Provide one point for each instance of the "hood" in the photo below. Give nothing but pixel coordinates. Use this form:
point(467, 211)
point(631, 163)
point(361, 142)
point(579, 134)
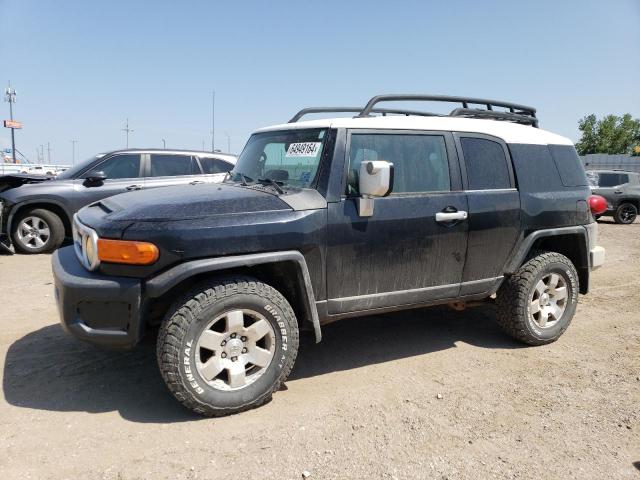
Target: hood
point(15, 180)
point(188, 202)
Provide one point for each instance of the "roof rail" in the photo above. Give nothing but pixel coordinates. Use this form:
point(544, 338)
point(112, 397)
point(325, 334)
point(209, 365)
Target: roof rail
point(517, 113)
point(383, 111)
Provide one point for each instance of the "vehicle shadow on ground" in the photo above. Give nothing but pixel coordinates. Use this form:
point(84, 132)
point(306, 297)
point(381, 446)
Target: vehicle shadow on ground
point(48, 370)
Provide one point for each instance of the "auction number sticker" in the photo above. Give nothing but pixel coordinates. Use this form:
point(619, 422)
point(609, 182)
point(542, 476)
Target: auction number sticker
point(303, 149)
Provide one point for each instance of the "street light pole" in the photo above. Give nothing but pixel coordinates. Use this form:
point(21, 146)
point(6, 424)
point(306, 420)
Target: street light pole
point(164, 144)
point(128, 130)
point(10, 96)
point(213, 120)
point(228, 142)
point(73, 151)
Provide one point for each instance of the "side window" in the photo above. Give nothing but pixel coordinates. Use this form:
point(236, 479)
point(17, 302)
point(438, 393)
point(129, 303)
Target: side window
point(569, 165)
point(420, 161)
point(166, 165)
point(612, 179)
point(214, 165)
point(121, 166)
point(486, 163)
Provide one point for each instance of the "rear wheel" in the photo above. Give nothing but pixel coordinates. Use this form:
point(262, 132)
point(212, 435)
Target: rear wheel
point(537, 303)
point(227, 346)
point(37, 231)
point(626, 213)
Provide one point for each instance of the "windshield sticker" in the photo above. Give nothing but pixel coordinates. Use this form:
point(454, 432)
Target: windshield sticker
point(303, 149)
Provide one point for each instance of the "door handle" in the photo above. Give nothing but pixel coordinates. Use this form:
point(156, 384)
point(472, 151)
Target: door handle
point(618, 191)
point(196, 182)
point(134, 187)
point(450, 216)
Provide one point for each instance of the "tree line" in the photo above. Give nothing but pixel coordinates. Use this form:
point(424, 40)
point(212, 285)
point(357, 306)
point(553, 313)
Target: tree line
point(611, 134)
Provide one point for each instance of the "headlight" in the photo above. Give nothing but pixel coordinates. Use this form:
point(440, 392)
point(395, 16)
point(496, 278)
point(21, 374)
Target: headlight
point(90, 251)
point(85, 242)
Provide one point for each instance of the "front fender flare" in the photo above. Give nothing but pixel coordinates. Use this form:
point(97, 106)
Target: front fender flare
point(160, 284)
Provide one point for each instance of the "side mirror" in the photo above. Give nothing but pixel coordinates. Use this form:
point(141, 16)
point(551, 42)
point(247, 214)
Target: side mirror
point(375, 180)
point(95, 177)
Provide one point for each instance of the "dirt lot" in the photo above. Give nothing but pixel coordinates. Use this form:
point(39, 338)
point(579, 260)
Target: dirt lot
point(364, 403)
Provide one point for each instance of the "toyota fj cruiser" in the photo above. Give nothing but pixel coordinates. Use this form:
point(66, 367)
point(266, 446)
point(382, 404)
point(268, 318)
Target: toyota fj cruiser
point(327, 219)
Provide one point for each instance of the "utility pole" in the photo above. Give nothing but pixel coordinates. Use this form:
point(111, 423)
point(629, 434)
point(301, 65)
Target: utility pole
point(41, 156)
point(128, 130)
point(228, 142)
point(213, 120)
point(10, 96)
point(48, 153)
point(164, 144)
point(73, 151)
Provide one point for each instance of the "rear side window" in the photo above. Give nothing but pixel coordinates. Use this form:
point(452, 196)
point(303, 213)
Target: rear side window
point(569, 165)
point(486, 162)
point(420, 162)
point(612, 179)
point(163, 165)
point(215, 165)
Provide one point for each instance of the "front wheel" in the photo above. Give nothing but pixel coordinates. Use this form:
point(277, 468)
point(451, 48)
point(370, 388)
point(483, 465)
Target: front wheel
point(536, 304)
point(227, 346)
point(625, 214)
point(37, 231)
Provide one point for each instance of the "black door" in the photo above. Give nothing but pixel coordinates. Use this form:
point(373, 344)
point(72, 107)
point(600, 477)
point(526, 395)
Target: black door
point(402, 254)
point(494, 209)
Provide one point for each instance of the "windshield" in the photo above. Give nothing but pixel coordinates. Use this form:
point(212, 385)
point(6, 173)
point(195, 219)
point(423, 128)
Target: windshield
point(71, 172)
point(288, 157)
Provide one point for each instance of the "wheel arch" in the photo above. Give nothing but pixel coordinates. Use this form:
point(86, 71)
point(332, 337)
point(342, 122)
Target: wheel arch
point(286, 271)
point(50, 205)
point(572, 242)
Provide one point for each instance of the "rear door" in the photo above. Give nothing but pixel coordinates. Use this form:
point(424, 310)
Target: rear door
point(405, 253)
point(123, 171)
point(494, 209)
point(165, 169)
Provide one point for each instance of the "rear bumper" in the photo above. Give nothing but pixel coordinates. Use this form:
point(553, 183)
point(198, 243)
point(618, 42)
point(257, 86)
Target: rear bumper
point(96, 308)
point(596, 257)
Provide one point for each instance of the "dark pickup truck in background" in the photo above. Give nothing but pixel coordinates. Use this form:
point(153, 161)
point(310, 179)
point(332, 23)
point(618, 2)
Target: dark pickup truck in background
point(36, 211)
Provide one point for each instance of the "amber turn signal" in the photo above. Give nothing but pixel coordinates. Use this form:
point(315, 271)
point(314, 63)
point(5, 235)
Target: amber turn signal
point(129, 252)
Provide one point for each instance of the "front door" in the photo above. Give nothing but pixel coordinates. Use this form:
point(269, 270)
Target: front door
point(123, 173)
point(406, 252)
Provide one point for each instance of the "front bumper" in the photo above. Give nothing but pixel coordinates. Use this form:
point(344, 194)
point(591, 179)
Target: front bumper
point(96, 308)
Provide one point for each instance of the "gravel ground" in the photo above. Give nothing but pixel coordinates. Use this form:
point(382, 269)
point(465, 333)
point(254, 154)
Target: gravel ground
point(422, 394)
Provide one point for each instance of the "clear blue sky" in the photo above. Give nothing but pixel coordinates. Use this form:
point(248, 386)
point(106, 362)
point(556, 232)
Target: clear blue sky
point(82, 67)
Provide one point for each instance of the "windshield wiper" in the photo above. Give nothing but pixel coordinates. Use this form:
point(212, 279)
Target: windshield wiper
point(244, 180)
point(273, 183)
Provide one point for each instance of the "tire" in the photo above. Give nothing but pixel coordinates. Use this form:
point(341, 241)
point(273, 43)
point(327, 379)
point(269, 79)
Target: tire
point(517, 295)
point(626, 213)
point(37, 231)
point(202, 334)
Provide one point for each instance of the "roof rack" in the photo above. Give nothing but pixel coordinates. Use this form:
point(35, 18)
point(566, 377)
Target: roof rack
point(516, 113)
point(383, 111)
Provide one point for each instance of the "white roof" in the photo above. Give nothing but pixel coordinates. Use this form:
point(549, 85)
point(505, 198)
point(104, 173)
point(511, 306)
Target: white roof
point(507, 131)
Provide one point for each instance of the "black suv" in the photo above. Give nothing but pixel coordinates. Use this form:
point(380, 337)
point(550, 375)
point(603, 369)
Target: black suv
point(621, 190)
point(37, 216)
point(328, 219)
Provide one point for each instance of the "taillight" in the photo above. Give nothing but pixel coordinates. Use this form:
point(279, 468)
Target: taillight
point(597, 204)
